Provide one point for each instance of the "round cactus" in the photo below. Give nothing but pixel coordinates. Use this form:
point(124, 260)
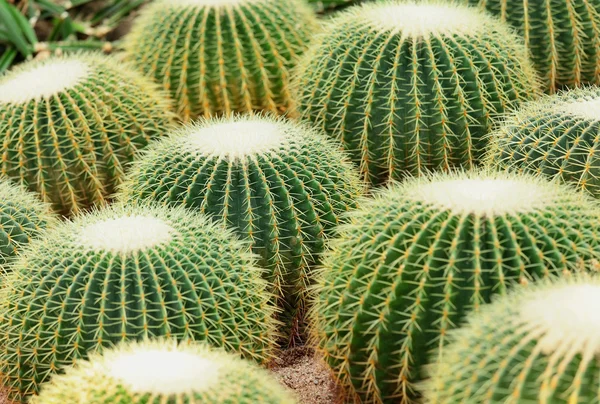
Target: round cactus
point(558, 137)
point(22, 217)
point(540, 344)
point(411, 263)
point(281, 185)
point(128, 273)
point(563, 36)
point(412, 87)
point(161, 371)
point(217, 57)
point(71, 123)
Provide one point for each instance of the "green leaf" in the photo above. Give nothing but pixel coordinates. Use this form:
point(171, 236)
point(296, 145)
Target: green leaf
point(13, 29)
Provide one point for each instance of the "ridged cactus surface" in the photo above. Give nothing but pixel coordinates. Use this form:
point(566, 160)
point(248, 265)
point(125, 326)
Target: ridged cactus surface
point(563, 36)
point(70, 124)
point(129, 273)
point(22, 218)
point(279, 184)
point(558, 137)
point(216, 57)
point(538, 345)
point(414, 261)
point(409, 87)
point(164, 372)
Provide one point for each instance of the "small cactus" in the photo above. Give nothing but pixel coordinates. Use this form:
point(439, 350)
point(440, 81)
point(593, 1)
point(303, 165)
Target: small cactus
point(414, 261)
point(279, 184)
point(70, 124)
point(409, 87)
point(163, 371)
point(22, 217)
point(219, 57)
point(563, 37)
point(129, 273)
point(558, 137)
point(540, 344)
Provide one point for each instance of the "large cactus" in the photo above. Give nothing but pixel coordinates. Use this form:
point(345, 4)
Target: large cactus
point(279, 184)
point(129, 273)
point(563, 36)
point(70, 124)
point(164, 372)
point(22, 218)
point(538, 345)
point(558, 137)
point(413, 262)
point(217, 57)
point(409, 87)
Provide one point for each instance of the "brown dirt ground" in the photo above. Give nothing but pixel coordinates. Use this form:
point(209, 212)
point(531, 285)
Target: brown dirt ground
point(308, 377)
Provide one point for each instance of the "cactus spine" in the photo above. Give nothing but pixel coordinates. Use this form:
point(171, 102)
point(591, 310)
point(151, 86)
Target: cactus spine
point(22, 218)
point(162, 371)
point(411, 263)
point(409, 87)
point(563, 37)
point(281, 185)
point(538, 345)
point(558, 137)
point(129, 273)
point(70, 124)
point(217, 57)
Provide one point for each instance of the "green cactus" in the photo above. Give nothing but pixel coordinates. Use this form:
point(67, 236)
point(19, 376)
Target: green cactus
point(129, 273)
point(409, 87)
point(563, 36)
point(162, 371)
point(411, 263)
point(219, 57)
point(558, 137)
point(279, 184)
point(71, 123)
point(22, 217)
point(540, 344)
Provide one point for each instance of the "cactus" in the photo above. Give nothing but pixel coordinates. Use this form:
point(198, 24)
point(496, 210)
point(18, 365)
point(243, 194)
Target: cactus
point(563, 37)
point(557, 137)
point(540, 344)
point(70, 124)
point(161, 371)
point(221, 58)
point(128, 273)
point(412, 87)
point(279, 184)
point(411, 263)
point(22, 218)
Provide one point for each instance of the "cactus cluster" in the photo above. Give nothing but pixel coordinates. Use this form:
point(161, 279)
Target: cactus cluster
point(540, 344)
point(217, 57)
point(70, 124)
point(412, 86)
point(129, 273)
point(562, 36)
point(158, 371)
point(22, 218)
point(557, 137)
point(414, 261)
point(279, 184)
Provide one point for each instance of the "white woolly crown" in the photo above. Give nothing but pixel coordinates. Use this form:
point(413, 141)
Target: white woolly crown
point(42, 81)
point(165, 372)
point(568, 318)
point(237, 139)
point(588, 109)
point(422, 20)
point(126, 234)
point(483, 196)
